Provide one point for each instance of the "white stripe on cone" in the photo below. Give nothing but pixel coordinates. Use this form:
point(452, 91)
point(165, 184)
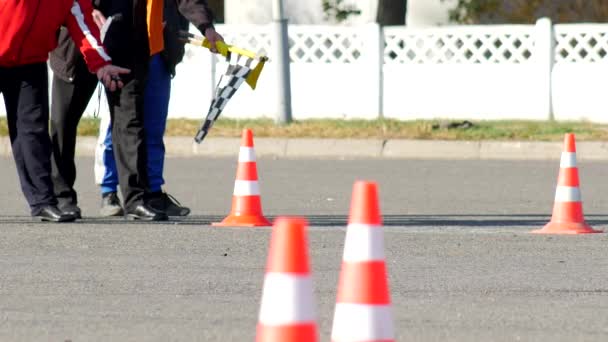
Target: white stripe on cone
point(246, 154)
point(363, 243)
point(567, 194)
point(568, 160)
point(286, 299)
point(359, 322)
point(246, 188)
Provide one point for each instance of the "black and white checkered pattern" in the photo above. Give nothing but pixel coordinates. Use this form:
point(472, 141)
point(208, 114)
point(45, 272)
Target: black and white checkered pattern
point(239, 67)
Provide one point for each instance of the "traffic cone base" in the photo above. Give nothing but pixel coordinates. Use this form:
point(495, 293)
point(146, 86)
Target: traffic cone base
point(295, 332)
point(556, 227)
point(243, 221)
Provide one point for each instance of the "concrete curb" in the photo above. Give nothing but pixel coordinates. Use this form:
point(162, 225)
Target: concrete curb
point(362, 148)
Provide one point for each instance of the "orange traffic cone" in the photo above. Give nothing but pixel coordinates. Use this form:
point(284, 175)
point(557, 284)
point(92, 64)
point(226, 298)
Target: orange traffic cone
point(246, 202)
point(568, 208)
point(363, 309)
point(287, 308)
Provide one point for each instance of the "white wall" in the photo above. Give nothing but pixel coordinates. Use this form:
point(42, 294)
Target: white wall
point(420, 13)
point(472, 72)
point(424, 13)
point(579, 92)
point(434, 76)
point(476, 91)
point(298, 11)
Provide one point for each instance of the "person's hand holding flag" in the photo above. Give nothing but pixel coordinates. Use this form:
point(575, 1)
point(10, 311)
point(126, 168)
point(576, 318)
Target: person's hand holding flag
point(213, 37)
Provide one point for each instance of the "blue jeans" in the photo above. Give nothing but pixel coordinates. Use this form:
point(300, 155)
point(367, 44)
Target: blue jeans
point(156, 110)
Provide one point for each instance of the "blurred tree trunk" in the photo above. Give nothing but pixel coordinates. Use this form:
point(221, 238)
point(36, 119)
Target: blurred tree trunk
point(217, 6)
point(391, 12)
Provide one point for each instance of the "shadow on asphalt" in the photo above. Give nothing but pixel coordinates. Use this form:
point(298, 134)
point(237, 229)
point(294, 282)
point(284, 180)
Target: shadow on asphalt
point(499, 221)
point(532, 220)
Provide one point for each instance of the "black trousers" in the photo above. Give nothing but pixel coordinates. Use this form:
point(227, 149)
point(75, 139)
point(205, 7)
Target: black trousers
point(25, 91)
point(69, 101)
point(128, 138)
point(126, 112)
point(126, 41)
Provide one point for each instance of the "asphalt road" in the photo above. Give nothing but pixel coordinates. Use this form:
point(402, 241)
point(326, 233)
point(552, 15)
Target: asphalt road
point(462, 264)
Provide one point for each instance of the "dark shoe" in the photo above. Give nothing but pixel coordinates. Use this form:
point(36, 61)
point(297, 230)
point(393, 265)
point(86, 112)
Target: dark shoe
point(146, 213)
point(51, 213)
point(70, 208)
point(168, 204)
point(110, 205)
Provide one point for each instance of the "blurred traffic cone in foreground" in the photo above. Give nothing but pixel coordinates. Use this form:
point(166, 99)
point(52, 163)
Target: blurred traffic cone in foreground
point(363, 306)
point(287, 308)
point(568, 208)
point(246, 202)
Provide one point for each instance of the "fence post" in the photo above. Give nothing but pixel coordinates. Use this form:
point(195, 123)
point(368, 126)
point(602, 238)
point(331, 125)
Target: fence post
point(545, 57)
point(213, 63)
point(373, 59)
point(282, 61)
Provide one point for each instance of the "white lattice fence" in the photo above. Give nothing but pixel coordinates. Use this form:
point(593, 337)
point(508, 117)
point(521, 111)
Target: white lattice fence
point(325, 44)
point(483, 72)
point(581, 43)
point(471, 45)
point(256, 38)
point(324, 60)
point(307, 43)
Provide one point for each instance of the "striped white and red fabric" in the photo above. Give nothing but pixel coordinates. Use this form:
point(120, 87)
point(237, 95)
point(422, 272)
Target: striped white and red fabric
point(567, 215)
point(287, 308)
point(363, 307)
point(86, 35)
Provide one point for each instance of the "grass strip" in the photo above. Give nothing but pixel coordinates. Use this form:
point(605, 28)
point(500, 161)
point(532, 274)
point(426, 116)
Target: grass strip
point(379, 129)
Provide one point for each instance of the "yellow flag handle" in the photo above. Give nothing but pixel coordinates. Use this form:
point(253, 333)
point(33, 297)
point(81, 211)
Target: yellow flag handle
point(223, 49)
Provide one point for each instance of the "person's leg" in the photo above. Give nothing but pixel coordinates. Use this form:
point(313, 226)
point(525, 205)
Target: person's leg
point(128, 141)
point(69, 101)
point(156, 110)
point(127, 42)
point(106, 175)
point(25, 91)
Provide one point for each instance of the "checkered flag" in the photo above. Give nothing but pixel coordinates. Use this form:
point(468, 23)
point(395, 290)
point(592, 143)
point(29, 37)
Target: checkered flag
point(239, 68)
point(243, 66)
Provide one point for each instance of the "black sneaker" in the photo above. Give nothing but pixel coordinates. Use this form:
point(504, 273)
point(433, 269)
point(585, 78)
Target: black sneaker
point(110, 205)
point(68, 206)
point(145, 212)
point(168, 204)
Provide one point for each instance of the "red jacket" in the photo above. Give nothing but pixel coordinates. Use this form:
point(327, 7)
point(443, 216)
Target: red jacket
point(28, 31)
